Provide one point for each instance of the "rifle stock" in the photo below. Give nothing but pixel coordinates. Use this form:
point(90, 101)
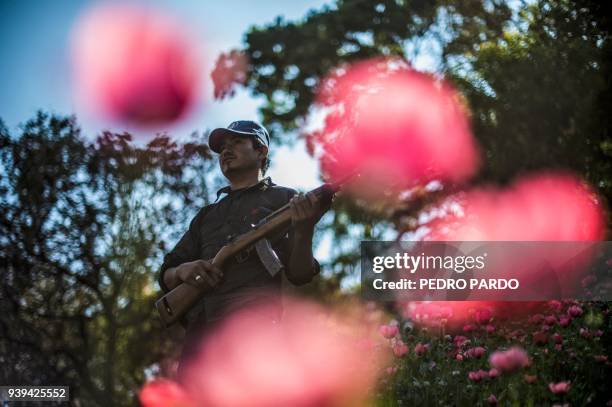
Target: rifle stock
point(175, 304)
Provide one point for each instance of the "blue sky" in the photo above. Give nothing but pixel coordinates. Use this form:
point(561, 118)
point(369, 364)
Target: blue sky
point(35, 68)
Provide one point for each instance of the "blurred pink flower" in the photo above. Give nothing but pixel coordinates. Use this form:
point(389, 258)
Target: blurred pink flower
point(574, 311)
point(483, 316)
point(420, 348)
point(475, 353)
point(523, 212)
point(459, 357)
point(510, 360)
point(490, 328)
point(399, 348)
point(493, 372)
point(536, 319)
point(564, 320)
point(391, 370)
point(531, 378)
point(134, 64)
point(557, 338)
point(460, 340)
point(492, 400)
point(555, 305)
point(550, 320)
point(585, 333)
point(540, 338)
point(249, 362)
point(559, 388)
point(478, 375)
point(469, 328)
point(600, 358)
point(397, 125)
point(388, 331)
point(164, 393)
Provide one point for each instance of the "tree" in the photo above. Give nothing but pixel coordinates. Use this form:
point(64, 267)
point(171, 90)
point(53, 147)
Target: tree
point(536, 76)
point(83, 226)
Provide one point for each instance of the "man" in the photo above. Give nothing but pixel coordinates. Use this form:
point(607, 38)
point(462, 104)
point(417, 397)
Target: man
point(244, 282)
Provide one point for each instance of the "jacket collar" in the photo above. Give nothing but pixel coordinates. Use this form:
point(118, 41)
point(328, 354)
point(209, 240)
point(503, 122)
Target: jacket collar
point(262, 185)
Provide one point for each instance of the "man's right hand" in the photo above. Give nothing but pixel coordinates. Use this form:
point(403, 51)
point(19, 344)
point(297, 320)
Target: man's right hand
point(200, 273)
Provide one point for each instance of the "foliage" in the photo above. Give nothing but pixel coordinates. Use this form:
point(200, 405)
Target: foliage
point(82, 227)
point(536, 76)
point(438, 371)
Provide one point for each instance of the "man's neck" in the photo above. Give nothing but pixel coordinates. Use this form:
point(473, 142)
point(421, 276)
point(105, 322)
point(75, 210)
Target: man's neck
point(244, 180)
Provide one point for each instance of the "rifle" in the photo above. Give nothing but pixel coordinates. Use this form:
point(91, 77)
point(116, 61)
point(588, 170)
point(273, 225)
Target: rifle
point(175, 304)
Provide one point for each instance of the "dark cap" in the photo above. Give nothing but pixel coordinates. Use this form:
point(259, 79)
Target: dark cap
point(240, 128)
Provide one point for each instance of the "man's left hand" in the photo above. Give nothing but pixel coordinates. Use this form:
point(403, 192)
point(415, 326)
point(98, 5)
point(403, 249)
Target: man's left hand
point(306, 210)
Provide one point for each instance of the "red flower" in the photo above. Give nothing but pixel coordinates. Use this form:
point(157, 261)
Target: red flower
point(574, 311)
point(550, 320)
point(494, 372)
point(460, 340)
point(388, 331)
point(559, 388)
point(564, 320)
point(399, 348)
point(509, 360)
point(420, 349)
point(483, 316)
point(557, 338)
point(475, 353)
point(540, 338)
point(478, 375)
point(164, 393)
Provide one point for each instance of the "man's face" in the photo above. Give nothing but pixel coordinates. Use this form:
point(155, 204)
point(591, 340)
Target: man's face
point(238, 154)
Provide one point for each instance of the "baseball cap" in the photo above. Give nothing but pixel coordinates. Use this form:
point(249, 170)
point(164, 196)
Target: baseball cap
point(241, 128)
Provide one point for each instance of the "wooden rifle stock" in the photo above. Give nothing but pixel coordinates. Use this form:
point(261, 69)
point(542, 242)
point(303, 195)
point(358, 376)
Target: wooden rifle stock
point(175, 304)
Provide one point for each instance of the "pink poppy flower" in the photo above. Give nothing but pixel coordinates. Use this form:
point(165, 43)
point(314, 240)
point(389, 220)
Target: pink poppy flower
point(483, 316)
point(550, 320)
point(420, 348)
point(468, 328)
point(398, 126)
point(399, 349)
point(459, 340)
point(510, 360)
point(494, 372)
point(555, 305)
point(540, 338)
point(388, 331)
point(478, 375)
point(247, 362)
point(391, 370)
point(475, 353)
point(574, 311)
point(492, 400)
point(564, 320)
point(135, 64)
point(164, 393)
point(559, 388)
point(490, 328)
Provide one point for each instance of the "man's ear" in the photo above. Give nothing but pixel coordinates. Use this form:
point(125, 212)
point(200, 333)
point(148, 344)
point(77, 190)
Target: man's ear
point(263, 151)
